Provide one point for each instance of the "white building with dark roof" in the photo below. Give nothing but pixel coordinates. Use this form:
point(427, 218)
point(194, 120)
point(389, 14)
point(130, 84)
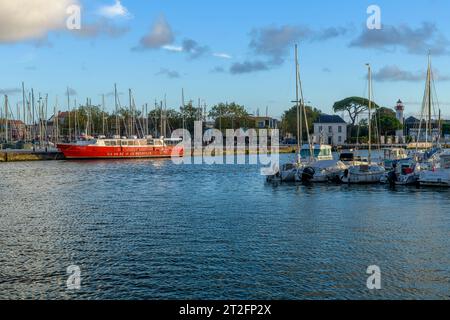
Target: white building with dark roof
point(330, 129)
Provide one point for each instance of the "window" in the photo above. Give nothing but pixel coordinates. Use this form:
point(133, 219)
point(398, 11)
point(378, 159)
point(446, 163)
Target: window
point(110, 143)
point(320, 129)
point(340, 129)
point(340, 139)
point(330, 129)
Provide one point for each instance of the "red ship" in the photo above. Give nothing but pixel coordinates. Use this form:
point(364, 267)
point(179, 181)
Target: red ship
point(122, 149)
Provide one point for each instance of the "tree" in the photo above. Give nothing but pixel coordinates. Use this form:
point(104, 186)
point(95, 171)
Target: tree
point(81, 117)
point(190, 114)
point(230, 116)
point(359, 133)
point(354, 106)
point(386, 121)
point(289, 120)
point(173, 118)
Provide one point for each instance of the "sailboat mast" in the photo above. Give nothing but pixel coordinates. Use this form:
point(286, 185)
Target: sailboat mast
point(183, 113)
point(429, 106)
point(69, 114)
point(103, 115)
point(24, 107)
point(130, 116)
point(33, 115)
point(55, 120)
point(370, 112)
point(440, 128)
point(117, 111)
point(6, 120)
point(299, 115)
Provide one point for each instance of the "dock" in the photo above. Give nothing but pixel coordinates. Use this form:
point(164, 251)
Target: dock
point(29, 155)
point(376, 146)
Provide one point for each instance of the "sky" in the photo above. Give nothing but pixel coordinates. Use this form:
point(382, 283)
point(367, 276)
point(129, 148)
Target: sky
point(225, 51)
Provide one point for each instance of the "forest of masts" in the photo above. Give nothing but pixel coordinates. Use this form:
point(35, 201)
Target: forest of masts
point(35, 120)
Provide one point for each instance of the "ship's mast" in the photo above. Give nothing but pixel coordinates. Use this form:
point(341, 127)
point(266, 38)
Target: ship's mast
point(68, 110)
point(33, 115)
point(6, 120)
point(103, 114)
point(299, 114)
point(24, 111)
point(429, 105)
point(370, 112)
point(117, 111)
point(130, 116)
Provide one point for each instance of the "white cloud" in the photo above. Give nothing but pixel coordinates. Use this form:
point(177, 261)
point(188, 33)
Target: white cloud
point(222, 55)
point(173, 48)
point(115, 10)
point(22, 20)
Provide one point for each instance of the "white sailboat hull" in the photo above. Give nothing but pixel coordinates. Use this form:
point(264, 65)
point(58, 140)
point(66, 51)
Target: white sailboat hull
point(363, 174)
point(438, 178)
point(324, 171)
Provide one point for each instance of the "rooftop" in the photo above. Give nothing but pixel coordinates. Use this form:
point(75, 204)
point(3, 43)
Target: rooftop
point(325, 118)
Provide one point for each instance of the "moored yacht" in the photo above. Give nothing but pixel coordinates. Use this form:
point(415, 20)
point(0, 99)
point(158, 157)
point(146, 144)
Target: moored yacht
point(438, 176)
point(318, 152)
point(363, 174)
point(404, 172)
point(319, 165)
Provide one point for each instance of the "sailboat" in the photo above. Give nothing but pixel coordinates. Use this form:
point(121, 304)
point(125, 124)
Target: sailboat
point(314, 161)
point(409, 171)
point(436, 163)
point(289, 172)
point(370, 172)
point(440, 175)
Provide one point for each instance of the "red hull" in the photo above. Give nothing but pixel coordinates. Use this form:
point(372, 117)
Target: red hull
point(72, 151)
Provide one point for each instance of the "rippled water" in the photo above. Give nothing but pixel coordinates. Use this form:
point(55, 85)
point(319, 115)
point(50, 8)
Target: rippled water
point(154, 230)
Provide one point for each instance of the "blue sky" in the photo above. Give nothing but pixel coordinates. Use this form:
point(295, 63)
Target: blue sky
point(230, 51)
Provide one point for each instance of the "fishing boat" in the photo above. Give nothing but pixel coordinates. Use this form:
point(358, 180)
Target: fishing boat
point(438, 176)
point(120, 148)
point(365, 173)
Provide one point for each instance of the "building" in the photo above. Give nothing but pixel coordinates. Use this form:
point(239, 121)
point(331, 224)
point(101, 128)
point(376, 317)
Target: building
point(417, 129)
point(330, 129)
point(265, 122)
point(16, 130)
point(63, 117)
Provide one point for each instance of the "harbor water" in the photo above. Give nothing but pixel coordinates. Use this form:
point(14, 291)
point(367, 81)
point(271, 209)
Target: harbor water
point(146, 229)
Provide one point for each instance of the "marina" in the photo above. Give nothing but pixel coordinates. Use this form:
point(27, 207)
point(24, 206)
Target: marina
point(213, 159)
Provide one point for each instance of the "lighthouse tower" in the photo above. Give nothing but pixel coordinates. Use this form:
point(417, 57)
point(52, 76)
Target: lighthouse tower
point(400, 109)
